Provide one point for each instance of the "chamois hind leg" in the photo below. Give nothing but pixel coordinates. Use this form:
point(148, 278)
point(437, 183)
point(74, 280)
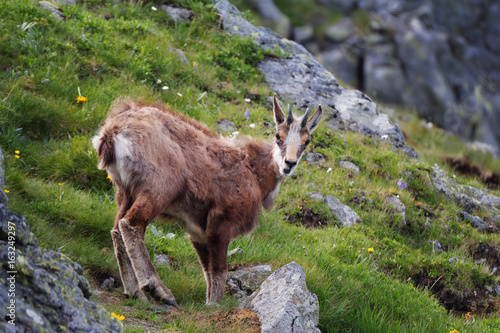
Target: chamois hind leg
point(130, 284)
point(132, 228)
point(203, 256)
point(217, 249)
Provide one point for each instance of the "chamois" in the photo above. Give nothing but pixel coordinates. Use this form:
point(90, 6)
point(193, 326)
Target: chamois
point(165, 164)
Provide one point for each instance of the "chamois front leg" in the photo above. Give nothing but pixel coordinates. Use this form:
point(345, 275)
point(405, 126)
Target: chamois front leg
point(132, 228)
point(217, 271)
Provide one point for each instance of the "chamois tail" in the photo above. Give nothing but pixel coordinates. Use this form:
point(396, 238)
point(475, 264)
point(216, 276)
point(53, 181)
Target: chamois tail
point(105, 146)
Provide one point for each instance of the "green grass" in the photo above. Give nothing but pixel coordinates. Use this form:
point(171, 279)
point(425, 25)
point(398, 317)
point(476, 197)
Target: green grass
point(107, 51)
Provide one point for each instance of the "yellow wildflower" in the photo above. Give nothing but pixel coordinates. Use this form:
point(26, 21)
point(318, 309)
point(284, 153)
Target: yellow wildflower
point(16, 156)
point(6, 191)
point(370, 249)
point(17, 152)
point(120, 317)
point(454, 331)
point(60, 184)
point(108, 177)
point(81, 99)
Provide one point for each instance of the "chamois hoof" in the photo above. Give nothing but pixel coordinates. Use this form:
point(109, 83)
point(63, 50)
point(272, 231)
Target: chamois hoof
point(169, 302)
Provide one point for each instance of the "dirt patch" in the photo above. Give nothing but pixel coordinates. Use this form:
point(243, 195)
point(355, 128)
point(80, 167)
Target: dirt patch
point(457, 299)
point(487, 253)
point(463, 165)
point(307, 218)
point(99, 275)
point(209, 320)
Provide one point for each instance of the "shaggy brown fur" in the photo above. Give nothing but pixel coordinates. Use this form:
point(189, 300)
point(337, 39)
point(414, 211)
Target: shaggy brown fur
point(164, 163)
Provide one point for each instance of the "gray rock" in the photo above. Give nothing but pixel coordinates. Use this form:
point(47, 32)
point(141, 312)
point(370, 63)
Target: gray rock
point(284, 304)
point(303, 34)
point(180, 55)
point(316, 196)
point(344, 213)
point(235, 251)
point(178, 14)
point(475, 221)
point(53, 9)
point(303, 81)
point(497, 289)
point(225, 125)
point(398, 207)
point(488, 288)
point(349, 166)
point(315, 158)
point(340, 31)
point(243, 282)
point(342, 62)
point(342, 5)
point(50, 290)
point(273, 16)
point(468, 197)
point(108, 284)
point(67, 2)
point(161, 259)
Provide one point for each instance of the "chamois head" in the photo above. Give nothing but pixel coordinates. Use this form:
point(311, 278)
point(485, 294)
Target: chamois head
point(292, 136)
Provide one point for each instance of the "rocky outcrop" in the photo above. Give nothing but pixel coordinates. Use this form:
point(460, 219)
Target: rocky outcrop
point(303, 81)
point(468, 197)
point(441, 59)
point(42, 290)
point(284, 304)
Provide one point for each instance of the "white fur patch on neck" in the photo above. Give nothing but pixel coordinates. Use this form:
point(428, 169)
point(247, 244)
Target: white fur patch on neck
point(280, 160)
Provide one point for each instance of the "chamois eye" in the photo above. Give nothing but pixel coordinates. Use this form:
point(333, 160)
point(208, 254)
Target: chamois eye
point(278, 137)
point(308, 141)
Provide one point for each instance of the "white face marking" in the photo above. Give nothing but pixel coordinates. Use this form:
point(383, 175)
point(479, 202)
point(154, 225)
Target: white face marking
point(292, 145)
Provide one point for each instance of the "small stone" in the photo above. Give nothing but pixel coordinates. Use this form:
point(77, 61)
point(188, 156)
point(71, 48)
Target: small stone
point(108, 284)
point(161, 259)
point(344, 213)
point(475, 221)
point(315, 158)
point(349, 166)
point(45, 81)
point(398, 207)
point(178, 14)
point(53, 9)
point(497, 289)
point(316, 196)
point(488, 288)
point(225, 125)
point(235, 251)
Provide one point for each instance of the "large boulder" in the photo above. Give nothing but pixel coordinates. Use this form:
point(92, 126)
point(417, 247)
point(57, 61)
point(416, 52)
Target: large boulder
point(43, 290)
point(303, 81)
point(284, 304)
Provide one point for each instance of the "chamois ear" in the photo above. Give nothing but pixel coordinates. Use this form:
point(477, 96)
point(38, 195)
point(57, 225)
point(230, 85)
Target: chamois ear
point(279, 116)
point(313, 122)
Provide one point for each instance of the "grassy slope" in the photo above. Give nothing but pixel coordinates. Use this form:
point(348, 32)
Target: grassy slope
point(128, 50)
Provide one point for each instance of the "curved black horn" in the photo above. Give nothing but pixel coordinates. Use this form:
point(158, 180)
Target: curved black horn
point(289, 118)
point(304, 118)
